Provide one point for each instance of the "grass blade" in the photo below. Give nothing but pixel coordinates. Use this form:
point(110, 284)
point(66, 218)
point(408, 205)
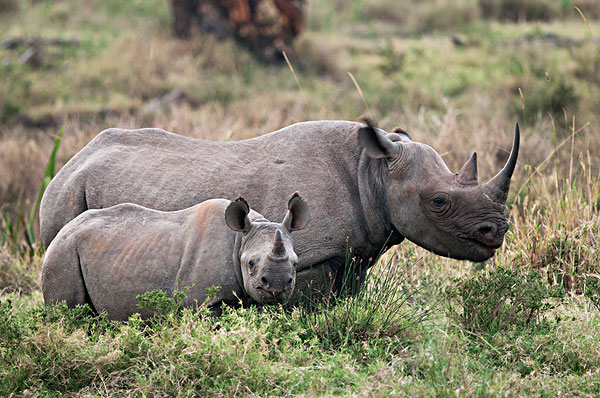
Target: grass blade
point(48, 175)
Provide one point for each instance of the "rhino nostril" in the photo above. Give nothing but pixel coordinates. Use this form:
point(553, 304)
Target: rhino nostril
point(265, 280)
point(487, 231)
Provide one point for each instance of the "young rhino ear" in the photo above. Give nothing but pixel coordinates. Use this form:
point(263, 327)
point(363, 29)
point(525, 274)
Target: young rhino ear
point(298, 214)
point(236, 215)
point(376, 143)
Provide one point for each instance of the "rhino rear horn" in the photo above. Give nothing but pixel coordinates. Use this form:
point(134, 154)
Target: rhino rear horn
point(298, 214)
point(468, 174)
point(498, 186)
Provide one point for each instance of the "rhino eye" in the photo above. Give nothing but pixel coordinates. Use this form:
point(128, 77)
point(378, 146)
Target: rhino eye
point(439, 201)
point(250, 264)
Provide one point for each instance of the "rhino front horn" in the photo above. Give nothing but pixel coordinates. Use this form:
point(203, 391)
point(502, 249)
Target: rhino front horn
point(498, 186)
point(278, 249)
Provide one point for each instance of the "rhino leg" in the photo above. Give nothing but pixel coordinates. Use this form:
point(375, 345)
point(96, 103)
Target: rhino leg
point(62, 279)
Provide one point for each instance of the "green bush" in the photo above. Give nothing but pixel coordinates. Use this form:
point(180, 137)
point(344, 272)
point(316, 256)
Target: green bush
point(520, 10)
point(498, 299)
point(543, 98)
point(8, 5)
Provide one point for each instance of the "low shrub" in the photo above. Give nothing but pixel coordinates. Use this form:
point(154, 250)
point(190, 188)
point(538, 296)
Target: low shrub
point(520, 10)
point(500, 298)
point(8, 6)
point(542, 98)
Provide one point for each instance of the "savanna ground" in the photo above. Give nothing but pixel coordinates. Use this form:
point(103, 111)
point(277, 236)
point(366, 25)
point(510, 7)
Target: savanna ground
point(456, 75)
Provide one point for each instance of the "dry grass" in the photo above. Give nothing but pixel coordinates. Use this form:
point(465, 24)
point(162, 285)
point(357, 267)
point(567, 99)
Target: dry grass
point(456, 88)
point(17, 274)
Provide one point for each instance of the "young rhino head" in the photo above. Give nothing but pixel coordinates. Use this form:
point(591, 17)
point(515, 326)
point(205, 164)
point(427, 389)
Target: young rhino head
point(267, 258)
point(449, 214)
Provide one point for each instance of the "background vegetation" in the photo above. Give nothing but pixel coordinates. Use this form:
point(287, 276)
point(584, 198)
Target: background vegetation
point(456, 75)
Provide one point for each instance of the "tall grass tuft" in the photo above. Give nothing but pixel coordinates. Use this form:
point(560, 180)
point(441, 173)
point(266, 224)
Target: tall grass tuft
point(381, 307)
point(555, 229)
point(25, 220)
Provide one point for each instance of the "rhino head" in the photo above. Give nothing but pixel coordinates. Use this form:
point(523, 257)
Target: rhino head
point(267, 258)
point(449, 214)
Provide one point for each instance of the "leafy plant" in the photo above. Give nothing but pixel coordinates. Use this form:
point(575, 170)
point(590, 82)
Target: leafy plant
point(160, 303)
point(500, 298)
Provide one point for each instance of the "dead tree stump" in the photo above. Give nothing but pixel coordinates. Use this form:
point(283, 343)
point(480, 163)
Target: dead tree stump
point(267, 27)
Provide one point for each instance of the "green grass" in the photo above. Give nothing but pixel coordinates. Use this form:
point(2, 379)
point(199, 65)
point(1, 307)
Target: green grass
point(522, 324)
point(276, 352)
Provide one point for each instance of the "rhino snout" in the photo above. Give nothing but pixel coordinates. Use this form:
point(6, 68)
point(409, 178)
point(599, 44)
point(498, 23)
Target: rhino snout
point(275, 287)
point(276, 284)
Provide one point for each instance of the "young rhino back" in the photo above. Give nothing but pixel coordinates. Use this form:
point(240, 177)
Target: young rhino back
point(126, 250)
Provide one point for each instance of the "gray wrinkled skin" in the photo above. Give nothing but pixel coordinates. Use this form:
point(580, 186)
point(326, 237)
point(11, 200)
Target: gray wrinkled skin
point(109, 256)
point(367, 188)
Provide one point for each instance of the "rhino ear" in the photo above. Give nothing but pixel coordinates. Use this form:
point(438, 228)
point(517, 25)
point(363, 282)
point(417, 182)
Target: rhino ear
point(402, 133)
point(377, 144)
point(298, 214)
point(236, 215)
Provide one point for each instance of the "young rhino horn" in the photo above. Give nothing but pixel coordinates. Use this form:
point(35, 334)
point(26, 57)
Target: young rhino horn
point(468, 174)
point(278, 249)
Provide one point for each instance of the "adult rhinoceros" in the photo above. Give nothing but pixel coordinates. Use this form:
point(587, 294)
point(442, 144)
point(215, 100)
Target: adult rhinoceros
point(366, 188)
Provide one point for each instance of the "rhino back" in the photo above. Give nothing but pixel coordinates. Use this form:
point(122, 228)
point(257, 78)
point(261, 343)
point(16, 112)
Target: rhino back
point(166, 171)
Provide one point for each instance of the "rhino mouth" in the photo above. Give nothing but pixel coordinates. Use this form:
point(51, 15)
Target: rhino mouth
point(269, 298)
point(487, 249)
point(277, 300)
point(493, 246)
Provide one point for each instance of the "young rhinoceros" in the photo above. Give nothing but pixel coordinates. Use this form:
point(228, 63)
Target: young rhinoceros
point(107, 257)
